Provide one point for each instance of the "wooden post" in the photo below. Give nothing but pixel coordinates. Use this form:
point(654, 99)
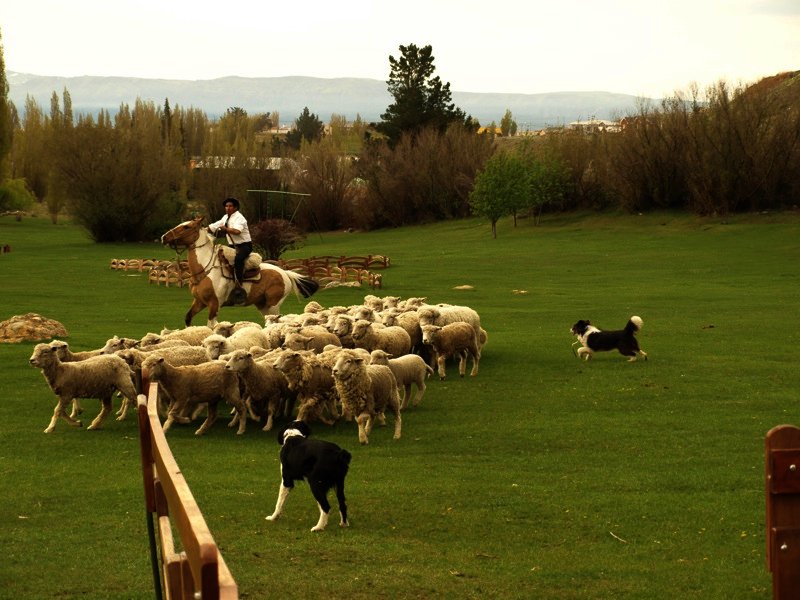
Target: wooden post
point(782, 462)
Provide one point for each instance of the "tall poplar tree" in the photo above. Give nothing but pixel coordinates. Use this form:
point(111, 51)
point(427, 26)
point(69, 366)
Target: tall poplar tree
point(6, 122)
point(420, 99)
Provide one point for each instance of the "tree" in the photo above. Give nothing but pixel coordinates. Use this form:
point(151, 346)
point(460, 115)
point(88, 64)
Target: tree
point(508, 126)
point(15, 195)
point(501, 187)
point(6, 121)
point(275, 236)
point(307, 127)
point(420, 99)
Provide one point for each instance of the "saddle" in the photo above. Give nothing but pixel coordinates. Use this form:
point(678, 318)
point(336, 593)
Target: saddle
point(252, 266)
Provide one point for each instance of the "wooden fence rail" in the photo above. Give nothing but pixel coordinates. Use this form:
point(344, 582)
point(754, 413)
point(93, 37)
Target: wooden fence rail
point(199, 569)
point(782, 465)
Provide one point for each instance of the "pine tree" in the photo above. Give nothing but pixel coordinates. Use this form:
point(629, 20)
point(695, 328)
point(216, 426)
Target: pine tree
point(6, 121)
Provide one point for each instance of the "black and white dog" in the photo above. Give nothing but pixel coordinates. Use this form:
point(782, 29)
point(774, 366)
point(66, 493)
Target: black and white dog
point(323, 464)
point(594, 340)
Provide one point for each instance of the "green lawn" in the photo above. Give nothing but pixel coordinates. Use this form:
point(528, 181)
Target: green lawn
point(543, 477)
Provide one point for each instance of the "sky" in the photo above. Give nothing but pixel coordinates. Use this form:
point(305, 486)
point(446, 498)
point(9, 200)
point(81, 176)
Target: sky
point(642, 47)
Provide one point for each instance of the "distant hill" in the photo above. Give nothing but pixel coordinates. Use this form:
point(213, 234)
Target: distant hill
point(289, 95)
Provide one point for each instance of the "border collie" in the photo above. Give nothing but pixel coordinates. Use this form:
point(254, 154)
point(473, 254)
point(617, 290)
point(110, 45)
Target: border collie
point(323, 464)
point(594, 340)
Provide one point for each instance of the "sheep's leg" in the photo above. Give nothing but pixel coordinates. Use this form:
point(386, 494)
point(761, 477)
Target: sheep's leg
point(420, 391)
point(462, 362)
point(60, 411)
point(212, 416)
point(270, 410)
point(76, 408)
point(106, 408)
point(476, 357)
point(406, 396)
point(440, 360)
point(364, 427)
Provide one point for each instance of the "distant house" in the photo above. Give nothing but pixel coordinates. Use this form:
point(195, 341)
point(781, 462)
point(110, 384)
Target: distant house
point(233, 162)
point(595, 126)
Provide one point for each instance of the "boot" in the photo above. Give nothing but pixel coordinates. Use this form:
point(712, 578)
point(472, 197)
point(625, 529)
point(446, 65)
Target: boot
point(238, 296)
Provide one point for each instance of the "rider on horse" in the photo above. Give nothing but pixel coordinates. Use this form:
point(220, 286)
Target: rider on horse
point(236, 231)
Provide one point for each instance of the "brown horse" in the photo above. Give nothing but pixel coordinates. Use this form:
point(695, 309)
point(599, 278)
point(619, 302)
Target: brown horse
point(211, 281)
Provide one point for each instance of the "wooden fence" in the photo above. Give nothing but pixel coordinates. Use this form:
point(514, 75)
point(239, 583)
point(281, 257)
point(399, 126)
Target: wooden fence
point(199, 569)
point(325, 269)
point(782, 466)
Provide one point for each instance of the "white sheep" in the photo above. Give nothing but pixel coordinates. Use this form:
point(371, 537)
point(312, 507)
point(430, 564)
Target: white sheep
point(343, 329)
point(366, 392)
point(226, 328)
point(371, 336)
point(408, 370)
point(456, 339)
point(154, 340)
point(442, 315)
point(95, 377)
point(244, 339)
point(311, 379)
point(119, 343)
point(194, 334)
point(265, 386)
point(408, 320)
point(313, 337)
point(192, 385)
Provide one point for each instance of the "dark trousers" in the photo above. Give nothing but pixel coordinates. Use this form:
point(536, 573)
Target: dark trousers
point(242, 252)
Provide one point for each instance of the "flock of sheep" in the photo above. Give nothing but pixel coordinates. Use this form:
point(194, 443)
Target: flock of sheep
point(325, 364)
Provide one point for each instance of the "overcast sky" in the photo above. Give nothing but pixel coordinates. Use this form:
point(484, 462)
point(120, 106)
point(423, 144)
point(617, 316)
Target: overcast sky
point(640, 47)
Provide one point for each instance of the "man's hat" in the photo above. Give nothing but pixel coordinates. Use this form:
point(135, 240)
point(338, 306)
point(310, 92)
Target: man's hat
point(233, 201)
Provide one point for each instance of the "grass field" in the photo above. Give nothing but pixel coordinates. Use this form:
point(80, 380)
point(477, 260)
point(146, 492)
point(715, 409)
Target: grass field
point(542, 477)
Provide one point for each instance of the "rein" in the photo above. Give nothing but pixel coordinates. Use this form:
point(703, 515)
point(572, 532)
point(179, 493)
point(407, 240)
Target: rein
point(200, 275)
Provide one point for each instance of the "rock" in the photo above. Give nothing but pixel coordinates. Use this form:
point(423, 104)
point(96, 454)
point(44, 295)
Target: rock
point(30, 328)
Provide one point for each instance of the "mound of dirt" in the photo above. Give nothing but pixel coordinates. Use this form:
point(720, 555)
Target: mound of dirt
point(30, 328)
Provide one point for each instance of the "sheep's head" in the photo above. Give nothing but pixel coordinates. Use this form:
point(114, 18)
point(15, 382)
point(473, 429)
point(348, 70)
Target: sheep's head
point(429, 333)
point(215, 346)
point(239, 360)
point(343, 325)
point(347, 366)
point(60, 348)
point(289, 361)
point(379, 357)
point(153, 366)
point(360, 329)
point(42, 355)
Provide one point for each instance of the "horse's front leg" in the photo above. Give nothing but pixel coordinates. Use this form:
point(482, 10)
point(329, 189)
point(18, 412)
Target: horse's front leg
point(195, 308)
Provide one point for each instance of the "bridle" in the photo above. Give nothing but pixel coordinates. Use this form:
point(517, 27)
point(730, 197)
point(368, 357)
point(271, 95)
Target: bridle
point(180, 248)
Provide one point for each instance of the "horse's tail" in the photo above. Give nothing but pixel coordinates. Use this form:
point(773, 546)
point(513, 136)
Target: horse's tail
point(302, 285)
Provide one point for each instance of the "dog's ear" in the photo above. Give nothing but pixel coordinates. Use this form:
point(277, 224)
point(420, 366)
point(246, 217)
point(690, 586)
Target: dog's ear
point(303, 428)
point(281, 431)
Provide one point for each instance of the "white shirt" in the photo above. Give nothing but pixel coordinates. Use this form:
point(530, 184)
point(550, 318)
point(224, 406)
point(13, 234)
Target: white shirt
point(237, 221)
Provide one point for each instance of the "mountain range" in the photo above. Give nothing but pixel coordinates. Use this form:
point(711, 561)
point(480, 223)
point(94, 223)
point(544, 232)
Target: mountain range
point(288, 96)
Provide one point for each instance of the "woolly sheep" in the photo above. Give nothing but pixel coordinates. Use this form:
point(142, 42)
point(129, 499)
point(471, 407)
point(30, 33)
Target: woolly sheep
point(311, 379)
point(366, 392)
point(153, 340)
point(343, 329)
point(456, 339)
point(266, 386)
point(226, 328)
point(394, 340)
point(244, 339)
point(194, 334)
point(445, 314)
point(311, 338)
point(407, 370)
point(96, 377)
point(192, 385)
point(408, 320)
point(119, 343)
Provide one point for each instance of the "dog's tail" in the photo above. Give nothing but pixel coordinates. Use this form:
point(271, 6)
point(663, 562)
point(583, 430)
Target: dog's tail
point(344, 458)
point(634, 324)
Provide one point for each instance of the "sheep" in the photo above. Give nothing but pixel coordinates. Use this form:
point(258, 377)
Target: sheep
point(407, 370)
point(67, 355)
point(194, 335)
point(154, 340)
point(408, 320)
point(191, 385)
point(444, 314)
point(373, 302)
point(244, 339)
point(456, 339)
point(366, 392)
point(311, 338)
point(119, 343)
point(265, 385)
point(94, 377)
point(226, 328)
point(343, 328)
point(393, 340)
point(311, 379)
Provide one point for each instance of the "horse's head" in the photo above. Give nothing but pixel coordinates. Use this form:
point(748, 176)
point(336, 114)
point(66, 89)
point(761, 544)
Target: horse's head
point(183, 235)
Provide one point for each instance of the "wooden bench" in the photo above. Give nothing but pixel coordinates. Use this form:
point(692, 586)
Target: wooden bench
point(199, 569)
